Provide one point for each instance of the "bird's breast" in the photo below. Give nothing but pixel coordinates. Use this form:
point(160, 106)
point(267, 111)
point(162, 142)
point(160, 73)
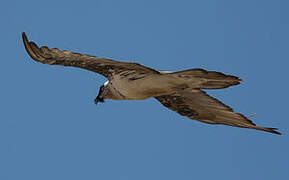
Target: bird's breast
point(133, 88)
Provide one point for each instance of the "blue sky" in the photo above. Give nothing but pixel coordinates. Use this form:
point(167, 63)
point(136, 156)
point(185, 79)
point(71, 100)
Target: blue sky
point(50, 128)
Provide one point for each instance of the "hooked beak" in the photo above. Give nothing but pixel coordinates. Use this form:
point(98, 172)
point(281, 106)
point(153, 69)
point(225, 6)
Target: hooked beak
point(100, 95)
point(98, 99)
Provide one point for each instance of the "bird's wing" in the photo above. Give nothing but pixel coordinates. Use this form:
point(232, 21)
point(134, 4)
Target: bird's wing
point(196, 104)
point(103, 66)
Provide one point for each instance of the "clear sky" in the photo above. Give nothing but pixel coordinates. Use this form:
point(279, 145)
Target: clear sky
point(51, 129)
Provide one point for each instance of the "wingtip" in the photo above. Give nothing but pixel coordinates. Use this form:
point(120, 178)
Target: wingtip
point(274, 130)
point(26, 44)
point(29, 46)
point(271, 130)
point(24, 38)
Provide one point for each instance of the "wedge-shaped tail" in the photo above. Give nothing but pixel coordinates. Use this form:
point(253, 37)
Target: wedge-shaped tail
point(210, 79)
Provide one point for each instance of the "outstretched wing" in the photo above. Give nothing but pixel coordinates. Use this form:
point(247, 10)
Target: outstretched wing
point(196, 104)
point(103, 66)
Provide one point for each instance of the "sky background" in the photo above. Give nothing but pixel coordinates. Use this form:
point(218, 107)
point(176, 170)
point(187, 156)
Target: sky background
point(51, 129)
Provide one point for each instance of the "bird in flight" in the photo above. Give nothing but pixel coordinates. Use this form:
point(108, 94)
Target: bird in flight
point(179, 91)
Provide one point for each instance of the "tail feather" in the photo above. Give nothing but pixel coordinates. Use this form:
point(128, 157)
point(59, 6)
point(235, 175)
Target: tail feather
point(212, 79)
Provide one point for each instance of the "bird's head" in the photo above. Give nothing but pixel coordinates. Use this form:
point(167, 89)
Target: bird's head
point(102, 93)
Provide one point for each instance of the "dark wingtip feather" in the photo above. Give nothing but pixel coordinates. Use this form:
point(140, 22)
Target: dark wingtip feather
point(24, 37)
point(273, 130)
point(28, 47)
point(270, 130)
point(32, 49)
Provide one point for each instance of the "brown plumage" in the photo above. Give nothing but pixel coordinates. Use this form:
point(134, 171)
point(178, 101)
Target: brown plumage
point(178, 91)
point(196, 104)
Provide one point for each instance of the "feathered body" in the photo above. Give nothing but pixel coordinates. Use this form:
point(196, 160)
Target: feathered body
point(179, 91)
